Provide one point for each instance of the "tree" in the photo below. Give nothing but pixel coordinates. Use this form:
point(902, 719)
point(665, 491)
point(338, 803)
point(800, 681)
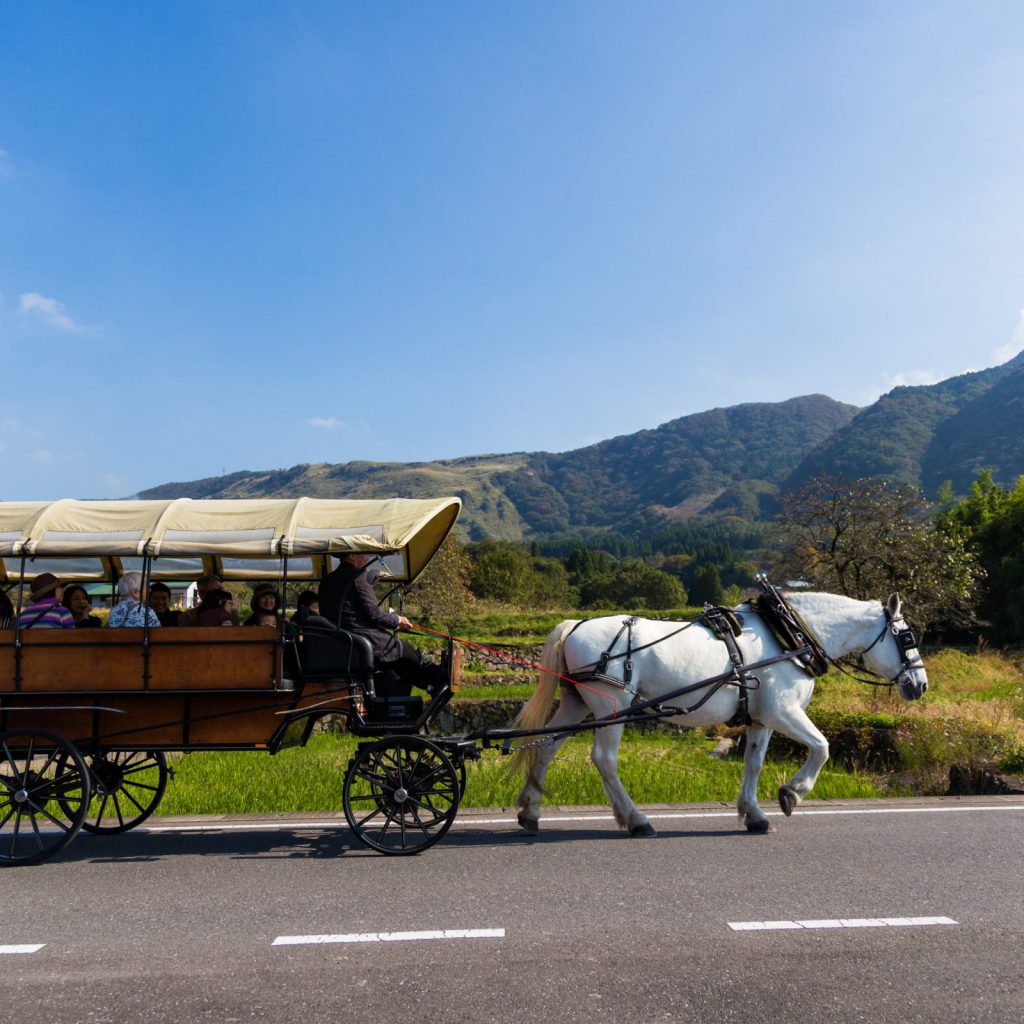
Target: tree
point(991, 520)
point(507, 572)
point(633, 585)
point(442, 591)
point(867, 538)
point(707, 586)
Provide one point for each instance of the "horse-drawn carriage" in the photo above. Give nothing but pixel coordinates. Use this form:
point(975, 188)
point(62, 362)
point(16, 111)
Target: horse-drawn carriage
point(87, 717)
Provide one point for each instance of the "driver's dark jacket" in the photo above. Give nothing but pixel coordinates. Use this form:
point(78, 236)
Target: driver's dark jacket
point(347, 599)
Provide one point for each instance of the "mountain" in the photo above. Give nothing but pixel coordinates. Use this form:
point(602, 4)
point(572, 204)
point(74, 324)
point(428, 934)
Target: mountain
point(928, 434)
point(725, 464)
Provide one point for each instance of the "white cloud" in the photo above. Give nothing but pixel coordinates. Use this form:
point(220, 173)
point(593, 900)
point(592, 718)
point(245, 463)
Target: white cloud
point(912, 378)
point(328, 423)
point(116, 485)
point(44, 455)
point(50, 311)
point(1006, 352)
point(908, 378)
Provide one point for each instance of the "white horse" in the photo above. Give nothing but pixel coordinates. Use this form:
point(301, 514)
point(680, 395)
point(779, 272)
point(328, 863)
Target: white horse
point(841, 625)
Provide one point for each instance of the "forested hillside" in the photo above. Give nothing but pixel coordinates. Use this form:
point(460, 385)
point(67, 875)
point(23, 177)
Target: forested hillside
point(926, 435)
point(723, 466)
point(726, 461)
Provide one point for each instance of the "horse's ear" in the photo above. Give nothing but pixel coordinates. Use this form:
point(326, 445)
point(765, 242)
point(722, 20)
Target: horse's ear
point(893, 605)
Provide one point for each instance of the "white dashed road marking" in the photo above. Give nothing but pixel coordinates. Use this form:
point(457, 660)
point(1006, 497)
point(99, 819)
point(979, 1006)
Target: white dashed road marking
point(842, 922)
point(447, 933)
point(27, 947)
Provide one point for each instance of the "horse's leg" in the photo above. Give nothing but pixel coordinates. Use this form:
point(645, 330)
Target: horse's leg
point(797, 726)
point(571, 711)
point(605, 755)
point(749, 809)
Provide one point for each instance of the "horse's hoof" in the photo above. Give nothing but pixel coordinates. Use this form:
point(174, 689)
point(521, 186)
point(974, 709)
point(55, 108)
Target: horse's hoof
point(787, 799)
point(644, 831)
point(532, 825)
point(761, 827)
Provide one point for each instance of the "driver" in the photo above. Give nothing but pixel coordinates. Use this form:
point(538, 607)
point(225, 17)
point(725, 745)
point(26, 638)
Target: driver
point(347, 600)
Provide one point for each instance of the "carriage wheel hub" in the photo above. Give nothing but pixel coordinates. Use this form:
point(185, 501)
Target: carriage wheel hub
point(400, 795)
point(21, 796)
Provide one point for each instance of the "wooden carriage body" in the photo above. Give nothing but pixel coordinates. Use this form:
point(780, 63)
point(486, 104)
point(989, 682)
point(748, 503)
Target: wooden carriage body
point(178, 689)
point(192, 688)
point(87, 715)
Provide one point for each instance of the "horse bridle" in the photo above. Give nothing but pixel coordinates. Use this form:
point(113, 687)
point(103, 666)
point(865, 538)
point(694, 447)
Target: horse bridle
point(906, 640)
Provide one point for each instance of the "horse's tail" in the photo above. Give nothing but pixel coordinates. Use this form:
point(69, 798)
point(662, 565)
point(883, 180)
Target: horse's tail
point(536, 710)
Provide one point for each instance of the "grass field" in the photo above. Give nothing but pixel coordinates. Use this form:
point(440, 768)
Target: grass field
point(655, 769)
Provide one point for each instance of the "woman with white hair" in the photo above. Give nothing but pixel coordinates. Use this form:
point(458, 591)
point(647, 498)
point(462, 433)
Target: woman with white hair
point(129, 610)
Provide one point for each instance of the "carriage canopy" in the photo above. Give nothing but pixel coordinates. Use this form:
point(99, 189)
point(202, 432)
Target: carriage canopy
point(240, 539)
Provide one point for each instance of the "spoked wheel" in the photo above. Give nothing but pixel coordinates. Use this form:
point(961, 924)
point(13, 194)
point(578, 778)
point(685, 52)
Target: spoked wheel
point(401, 794)
point(44, 794)
point(127, 786)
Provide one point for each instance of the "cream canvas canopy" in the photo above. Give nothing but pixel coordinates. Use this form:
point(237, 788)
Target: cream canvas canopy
point(185, 537)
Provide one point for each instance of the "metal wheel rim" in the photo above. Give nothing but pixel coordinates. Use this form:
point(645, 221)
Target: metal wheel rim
point(119, 800)
point(401, 795)
point(44, 793)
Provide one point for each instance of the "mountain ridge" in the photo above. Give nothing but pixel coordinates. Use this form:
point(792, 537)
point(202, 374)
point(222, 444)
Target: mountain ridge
point(727, 463)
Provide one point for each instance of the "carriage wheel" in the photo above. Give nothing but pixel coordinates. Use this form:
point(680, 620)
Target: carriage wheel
point(44, 794)
point(127, 787)
point(401, 794)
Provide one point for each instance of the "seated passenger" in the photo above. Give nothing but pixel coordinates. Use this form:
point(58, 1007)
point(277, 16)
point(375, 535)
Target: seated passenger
point(216, 609)
point(265, 605)
point(46, 611)
point(204, 585)
point(76, 600)
point(347, 599)
point(129, 610)
point(6, 611)
point(308, 604)
point(160, 602)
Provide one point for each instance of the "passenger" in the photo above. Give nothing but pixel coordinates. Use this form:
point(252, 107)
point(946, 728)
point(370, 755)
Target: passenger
point(6, 611)
point(308, 604)
point(46, 611)
point(160, 602)
point(347, 600)
point(204, 585)
point(217, 609)
point(76, 600)
point(265, 605)
point(129, 610)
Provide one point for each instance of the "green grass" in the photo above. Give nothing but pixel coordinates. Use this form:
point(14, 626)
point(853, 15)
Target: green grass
point(519, 692)
point(489, 622)
point(654, 769)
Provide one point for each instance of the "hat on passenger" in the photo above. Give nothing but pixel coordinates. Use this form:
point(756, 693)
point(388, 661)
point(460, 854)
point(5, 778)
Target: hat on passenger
point(45, 583)
point(260, 590)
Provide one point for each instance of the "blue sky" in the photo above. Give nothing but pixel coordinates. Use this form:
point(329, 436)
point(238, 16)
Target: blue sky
point(249, 235)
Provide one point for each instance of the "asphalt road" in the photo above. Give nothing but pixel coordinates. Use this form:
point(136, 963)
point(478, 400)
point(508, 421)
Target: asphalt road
point(178, 923)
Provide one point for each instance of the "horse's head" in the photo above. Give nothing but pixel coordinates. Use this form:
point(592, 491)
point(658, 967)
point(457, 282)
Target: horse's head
point(893, 654)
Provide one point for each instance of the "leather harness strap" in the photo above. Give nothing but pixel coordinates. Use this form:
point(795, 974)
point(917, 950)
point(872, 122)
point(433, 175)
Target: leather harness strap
point(727, 625)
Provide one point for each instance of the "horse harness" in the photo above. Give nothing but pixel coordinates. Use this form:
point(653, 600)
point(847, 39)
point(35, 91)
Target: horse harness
point(793, 635)
point(726, 625)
